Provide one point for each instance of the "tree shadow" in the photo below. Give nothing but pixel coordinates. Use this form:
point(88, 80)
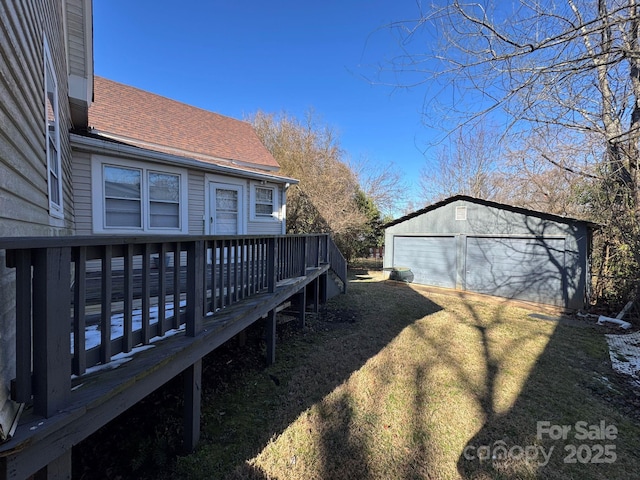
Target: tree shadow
point(571, 381)
point(350, 339)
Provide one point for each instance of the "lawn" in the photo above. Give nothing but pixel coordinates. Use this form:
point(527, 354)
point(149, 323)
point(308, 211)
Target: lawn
point(392, 381)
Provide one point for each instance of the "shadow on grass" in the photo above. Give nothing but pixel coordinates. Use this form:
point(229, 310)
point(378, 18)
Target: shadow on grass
point(570, 381)
point(310, 367)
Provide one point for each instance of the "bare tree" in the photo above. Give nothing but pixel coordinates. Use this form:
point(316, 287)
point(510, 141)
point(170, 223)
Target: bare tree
point(467, 164)
point(564, 71)
point(324, 200)
point(383, 185)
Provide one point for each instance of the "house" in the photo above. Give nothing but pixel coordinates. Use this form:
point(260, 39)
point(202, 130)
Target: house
point(97, 180)
point(147, 164)
point(476, 245)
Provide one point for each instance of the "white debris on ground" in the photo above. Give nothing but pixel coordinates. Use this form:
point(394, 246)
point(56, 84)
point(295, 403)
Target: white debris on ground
point(624, 351)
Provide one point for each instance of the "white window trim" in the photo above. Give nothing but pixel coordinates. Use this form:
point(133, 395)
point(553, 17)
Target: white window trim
point(222, 181)
point(55, 209)
point(276, 215)
point(98, 196)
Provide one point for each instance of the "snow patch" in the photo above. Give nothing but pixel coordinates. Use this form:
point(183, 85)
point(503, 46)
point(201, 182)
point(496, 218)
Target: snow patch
point(624, 351)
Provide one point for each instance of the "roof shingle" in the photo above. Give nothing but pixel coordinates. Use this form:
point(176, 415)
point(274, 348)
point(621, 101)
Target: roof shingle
point(158, 123)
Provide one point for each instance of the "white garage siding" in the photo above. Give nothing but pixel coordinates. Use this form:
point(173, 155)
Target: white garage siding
point(431, 259)
point(530, 269)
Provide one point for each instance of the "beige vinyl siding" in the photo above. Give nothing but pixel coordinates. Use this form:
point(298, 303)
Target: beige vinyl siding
point(264, 228)
point(196, 202)
point(24, 205)
point(23, 183)
point(76, 34)
point(82, 193)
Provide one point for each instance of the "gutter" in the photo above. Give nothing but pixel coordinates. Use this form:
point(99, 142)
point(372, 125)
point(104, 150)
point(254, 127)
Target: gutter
point(105, 147)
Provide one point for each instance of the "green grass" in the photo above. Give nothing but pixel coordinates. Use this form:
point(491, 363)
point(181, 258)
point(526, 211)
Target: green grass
point(395, 382)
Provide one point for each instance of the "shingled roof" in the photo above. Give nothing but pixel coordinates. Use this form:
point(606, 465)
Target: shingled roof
point(150, 121)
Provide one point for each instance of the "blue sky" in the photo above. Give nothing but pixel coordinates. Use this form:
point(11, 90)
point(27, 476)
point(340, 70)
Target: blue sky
point(236, 58)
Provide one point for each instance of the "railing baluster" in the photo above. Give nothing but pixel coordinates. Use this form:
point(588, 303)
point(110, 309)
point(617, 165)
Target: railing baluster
point(303, 255)
point(260, 265)
point(146, 293)
point(162, 288)
point(127, 325)
point(23, 325)
point(229, 264)
point(176, 285)
point(243, 266)
point(105, 299)
point(236, 267)
point(252, 271)
point(214, 276)
point(79, 311)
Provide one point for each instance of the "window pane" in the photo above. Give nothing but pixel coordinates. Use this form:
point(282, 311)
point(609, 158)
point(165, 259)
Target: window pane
point(226, 200)
point(163, 186)
point(264, 195)
point(164, 215)
point(121, 182)
point(264, 202)
point(262, 209)
point(52, 131)
point(122, 213)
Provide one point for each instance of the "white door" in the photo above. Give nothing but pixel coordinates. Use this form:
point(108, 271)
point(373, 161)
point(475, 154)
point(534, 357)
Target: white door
point(225, 207)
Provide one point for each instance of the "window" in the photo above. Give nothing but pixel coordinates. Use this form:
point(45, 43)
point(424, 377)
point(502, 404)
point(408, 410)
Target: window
point(164, 200)
point(54, 167)
point(264, 202)
point(137, 197)
point(122, 197)
point(461, 213)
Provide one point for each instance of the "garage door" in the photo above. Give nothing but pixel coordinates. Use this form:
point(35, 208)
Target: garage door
point(525, 269)
point(431, 259)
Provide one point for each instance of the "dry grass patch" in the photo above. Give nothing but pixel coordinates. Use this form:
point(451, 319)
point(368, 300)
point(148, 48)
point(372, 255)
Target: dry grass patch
point(405, 389)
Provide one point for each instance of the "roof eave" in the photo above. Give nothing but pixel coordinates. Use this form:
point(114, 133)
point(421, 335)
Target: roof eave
point(93, 144)
point(489, 203)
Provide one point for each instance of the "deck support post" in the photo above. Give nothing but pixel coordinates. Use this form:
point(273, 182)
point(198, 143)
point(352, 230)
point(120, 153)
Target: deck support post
point(192, 405)
point(324, 278)
point(59, 469)
point(316, 295)
point(271, 337)
point(302, 307)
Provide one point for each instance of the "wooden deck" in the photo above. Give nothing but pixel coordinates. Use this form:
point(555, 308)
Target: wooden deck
point(212, 315)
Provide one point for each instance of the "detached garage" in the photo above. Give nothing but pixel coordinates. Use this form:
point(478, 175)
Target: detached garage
point(486, 247)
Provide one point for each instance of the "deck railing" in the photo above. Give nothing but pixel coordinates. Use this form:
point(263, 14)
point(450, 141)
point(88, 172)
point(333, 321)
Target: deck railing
point(81, 301)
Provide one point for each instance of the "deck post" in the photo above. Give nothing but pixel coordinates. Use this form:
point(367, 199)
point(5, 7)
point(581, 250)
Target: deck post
point(195, 287)
point(192, 405)
point(271, 337)
point(24, 350)
point(51, 328)
point(272, 261)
